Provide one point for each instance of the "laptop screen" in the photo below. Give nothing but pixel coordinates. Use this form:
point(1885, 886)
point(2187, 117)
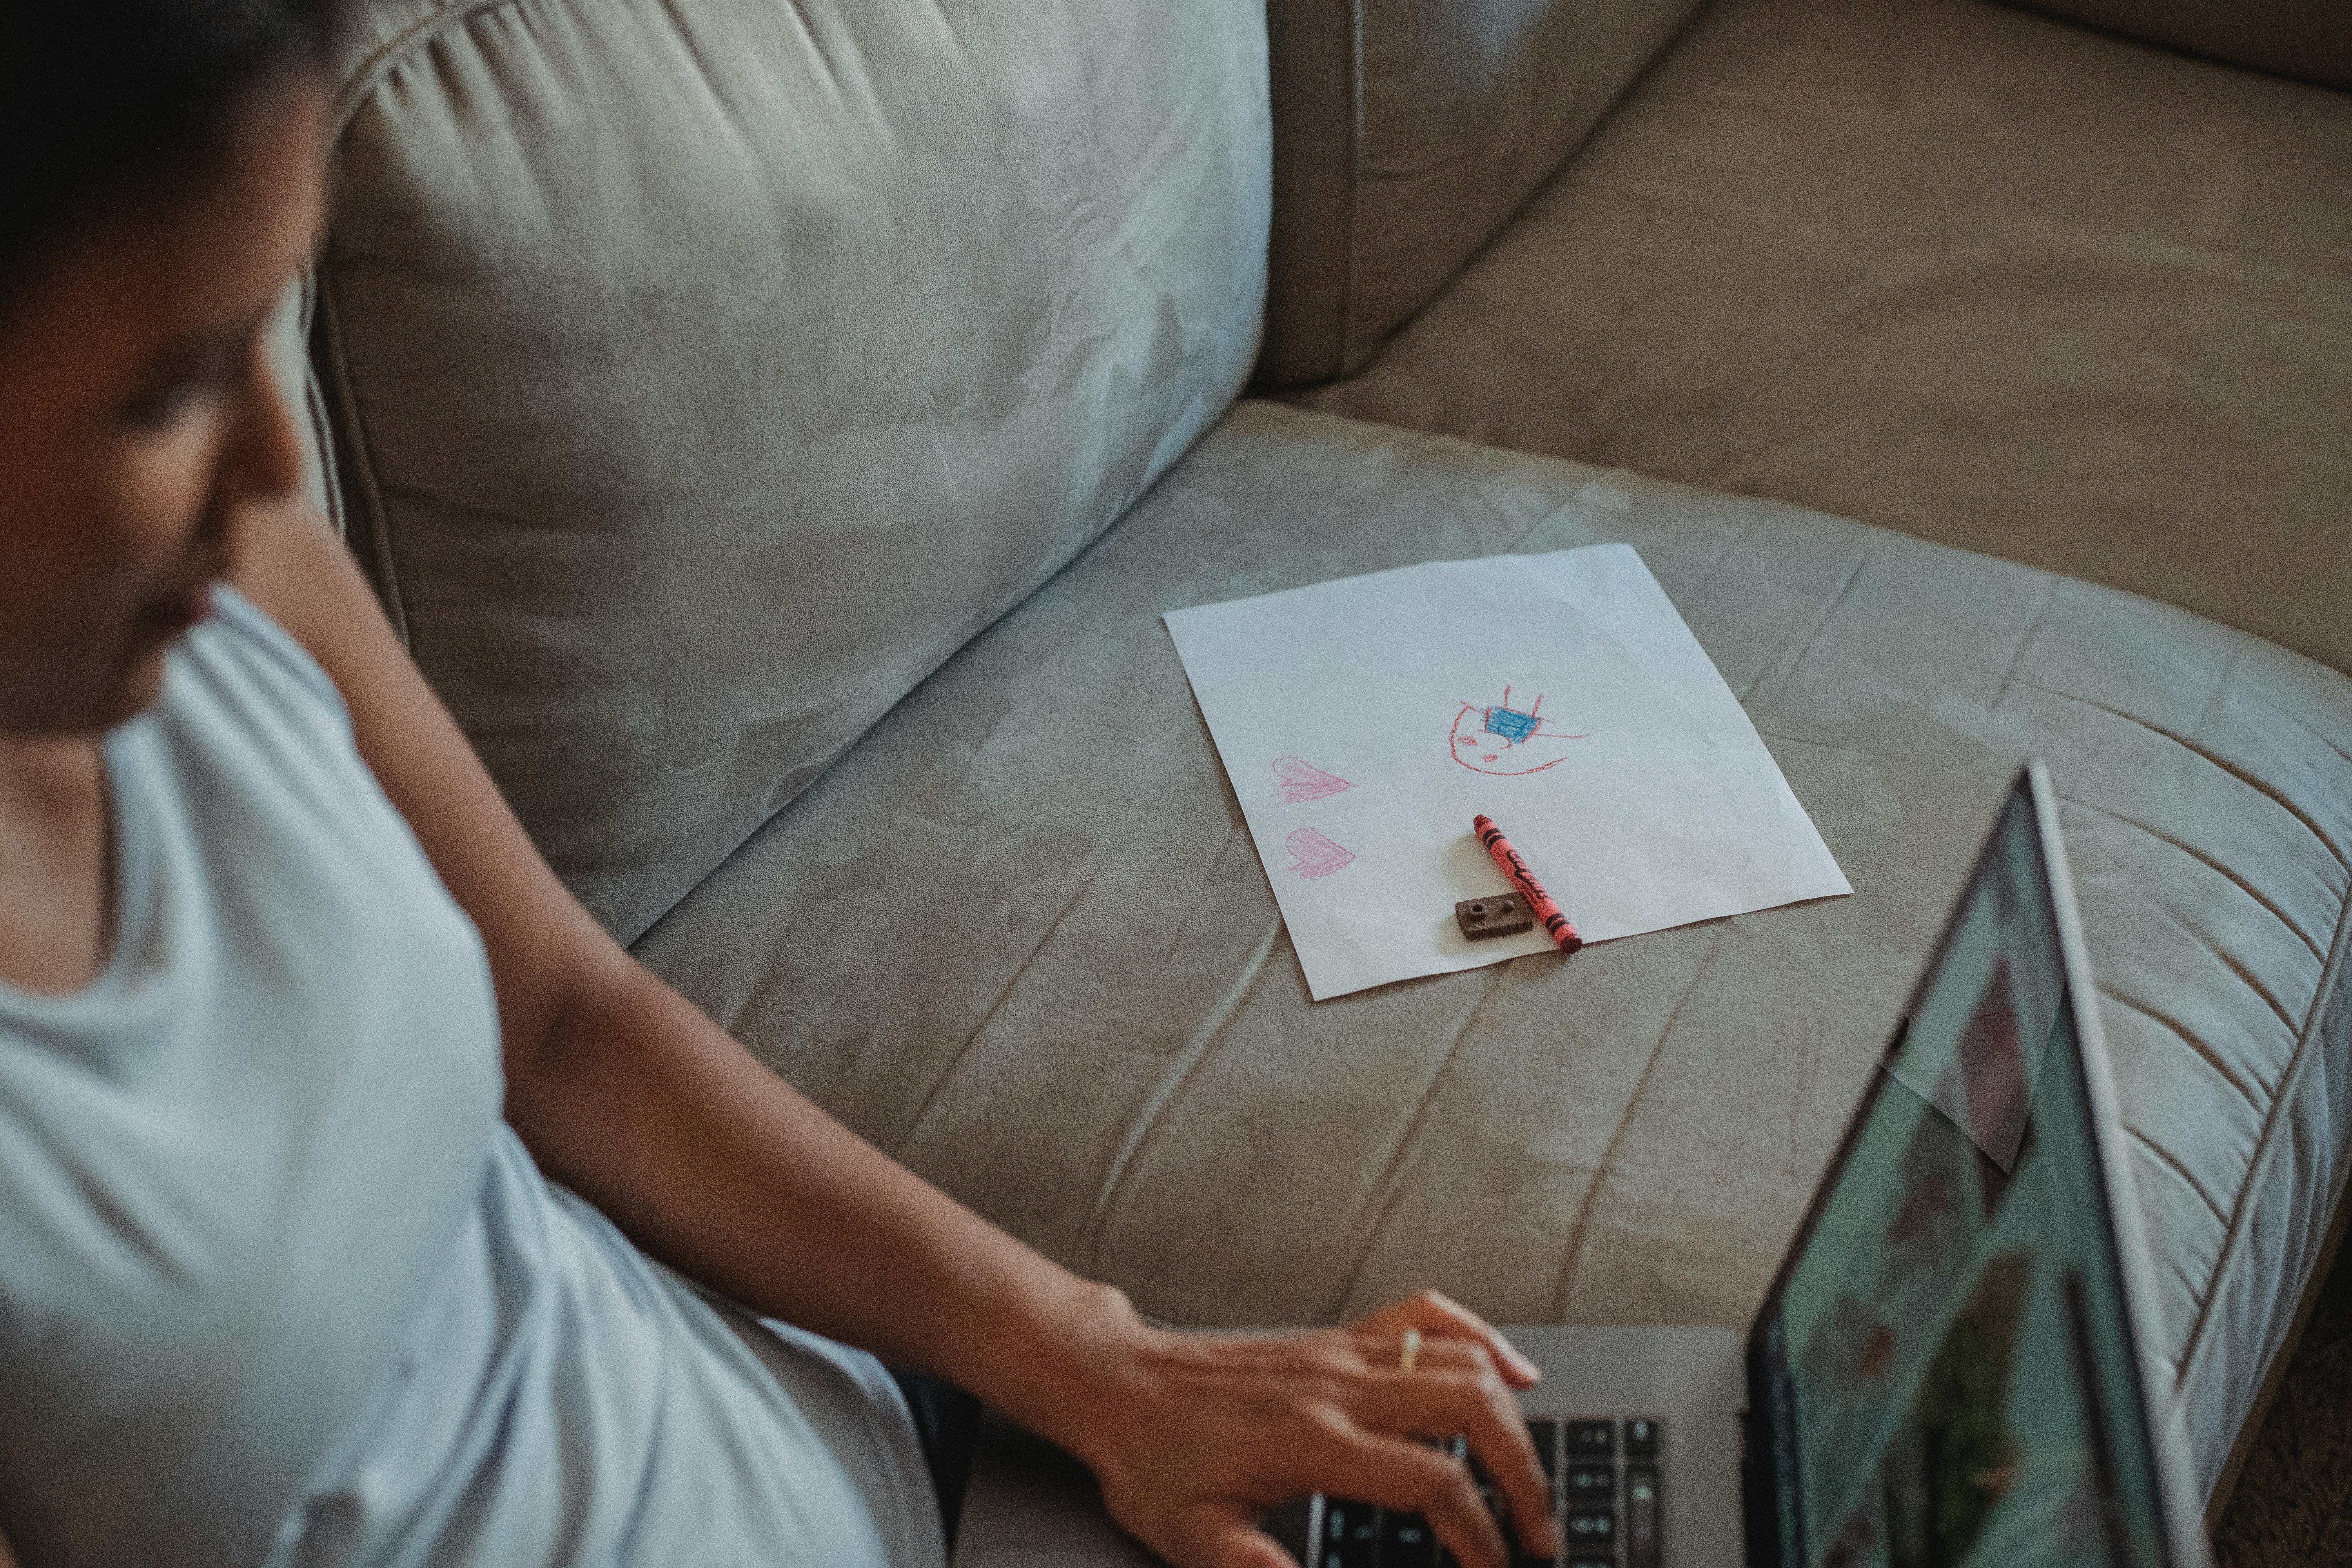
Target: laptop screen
point(1944, 1375)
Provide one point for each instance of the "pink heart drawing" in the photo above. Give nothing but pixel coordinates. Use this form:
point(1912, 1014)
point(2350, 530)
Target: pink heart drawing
point(1302, 781)
point(1318, 856)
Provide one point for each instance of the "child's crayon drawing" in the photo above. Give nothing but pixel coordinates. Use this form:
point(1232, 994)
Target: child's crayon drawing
point(1302, 781)
point(1316, 854)
point(1326, 704)
point(1487, 740)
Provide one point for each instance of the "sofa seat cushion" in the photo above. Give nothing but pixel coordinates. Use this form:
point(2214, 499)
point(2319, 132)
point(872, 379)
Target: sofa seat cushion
point(1989, 277)
point(1019, 937)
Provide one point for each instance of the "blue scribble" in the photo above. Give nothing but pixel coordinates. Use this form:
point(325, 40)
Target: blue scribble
point(1510, 723)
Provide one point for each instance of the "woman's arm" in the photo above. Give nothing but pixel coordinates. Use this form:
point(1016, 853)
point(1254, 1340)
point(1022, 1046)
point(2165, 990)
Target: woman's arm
point(631, 1097)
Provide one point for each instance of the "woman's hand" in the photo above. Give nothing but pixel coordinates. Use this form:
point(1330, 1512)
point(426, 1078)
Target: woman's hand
point(1194, 1437)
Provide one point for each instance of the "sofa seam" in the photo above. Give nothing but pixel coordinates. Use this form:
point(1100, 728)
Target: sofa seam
point(363, 465)
point(947, 647)
point(2207, 754)
point(963, 1047)
point(2268, 903)
point(2025, 635)
point(314, 404)
point(359, 84)
point(1784, 666)
point(1087, 1247)
point(1350, 192)
point(2221, 682)
point(2330, 979)
point(1574, 1248)
point(2178, 1166)
point(1666, 47)
point(369, 73)
point(2212, 1059)
point(1390, 1176)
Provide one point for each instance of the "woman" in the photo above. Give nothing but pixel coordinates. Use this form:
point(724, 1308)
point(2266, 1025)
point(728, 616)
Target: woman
point(293, 1018)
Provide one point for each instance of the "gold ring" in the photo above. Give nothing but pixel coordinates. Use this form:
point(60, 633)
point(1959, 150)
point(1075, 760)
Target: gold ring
point(1412, 1352)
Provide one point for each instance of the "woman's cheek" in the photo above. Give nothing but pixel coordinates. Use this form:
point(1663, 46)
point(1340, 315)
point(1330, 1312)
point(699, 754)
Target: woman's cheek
point(163, 483)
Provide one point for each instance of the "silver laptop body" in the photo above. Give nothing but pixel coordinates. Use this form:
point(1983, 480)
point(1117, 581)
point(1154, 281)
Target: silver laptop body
point(1948, 1371)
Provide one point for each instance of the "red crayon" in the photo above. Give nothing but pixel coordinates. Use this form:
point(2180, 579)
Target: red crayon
point(1515, 866)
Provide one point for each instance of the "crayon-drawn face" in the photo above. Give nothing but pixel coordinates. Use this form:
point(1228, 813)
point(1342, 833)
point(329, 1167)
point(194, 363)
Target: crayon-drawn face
point(1498, 738)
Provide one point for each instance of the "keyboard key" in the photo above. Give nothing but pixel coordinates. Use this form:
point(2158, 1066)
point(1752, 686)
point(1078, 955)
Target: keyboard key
point(1643, 1507)
point(1407, 1541)
point(1641, 1437)
point(1592, 1439)
point(1545, 1434)
point(1589, 1484)
point(1351, 1534)
point(1591, 1527)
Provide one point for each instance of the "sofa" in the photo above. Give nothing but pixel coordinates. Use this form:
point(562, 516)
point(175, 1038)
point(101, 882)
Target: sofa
point(776, 431)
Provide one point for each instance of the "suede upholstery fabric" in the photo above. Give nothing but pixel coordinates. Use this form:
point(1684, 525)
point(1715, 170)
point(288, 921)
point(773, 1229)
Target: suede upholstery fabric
point(2310, 40)
point(703, 375)
point(1406, 133)
point(1019, 935)
point(1948, 267)
point(699, 378)
point(289, 367)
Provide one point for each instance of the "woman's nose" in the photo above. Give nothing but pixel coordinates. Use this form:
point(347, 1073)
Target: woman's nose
point(264, 454)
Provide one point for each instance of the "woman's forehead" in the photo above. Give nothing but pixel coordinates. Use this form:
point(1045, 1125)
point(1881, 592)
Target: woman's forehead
point(226, 243)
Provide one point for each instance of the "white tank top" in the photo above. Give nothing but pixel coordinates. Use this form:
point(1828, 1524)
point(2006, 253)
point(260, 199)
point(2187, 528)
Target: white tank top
point(277, 1285)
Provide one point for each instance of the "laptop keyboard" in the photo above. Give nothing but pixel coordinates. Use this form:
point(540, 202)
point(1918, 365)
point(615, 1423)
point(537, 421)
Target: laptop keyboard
point(1608, 1492)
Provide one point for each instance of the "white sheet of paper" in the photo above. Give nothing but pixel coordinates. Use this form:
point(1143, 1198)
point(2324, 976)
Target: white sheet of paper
point(1364, 722)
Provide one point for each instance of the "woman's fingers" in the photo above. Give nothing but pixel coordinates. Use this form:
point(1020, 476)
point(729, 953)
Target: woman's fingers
point(1237, 1424)
point(1225, 1537)
point(1457, 1383)
point(1438, 1316)
point(1432, 1404)
point(1431, 1354)
point(1247, 1546)
point(1400, 1474)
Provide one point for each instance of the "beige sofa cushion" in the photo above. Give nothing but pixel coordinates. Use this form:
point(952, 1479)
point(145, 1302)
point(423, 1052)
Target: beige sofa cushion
point(1406, 132)
point(1945, 265)
point(705, 374)
point(2310, 40)
point(1019, 935)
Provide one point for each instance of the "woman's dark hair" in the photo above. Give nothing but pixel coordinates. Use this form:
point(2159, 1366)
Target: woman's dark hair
point(101, 100)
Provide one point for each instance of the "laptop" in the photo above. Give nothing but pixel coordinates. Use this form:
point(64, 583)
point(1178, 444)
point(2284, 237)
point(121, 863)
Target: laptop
point(1950, 1369)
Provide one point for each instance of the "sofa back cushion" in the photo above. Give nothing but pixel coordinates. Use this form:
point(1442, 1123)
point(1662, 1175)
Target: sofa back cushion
point(1406, 132)
point(2309, 40)
point(701, 377)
